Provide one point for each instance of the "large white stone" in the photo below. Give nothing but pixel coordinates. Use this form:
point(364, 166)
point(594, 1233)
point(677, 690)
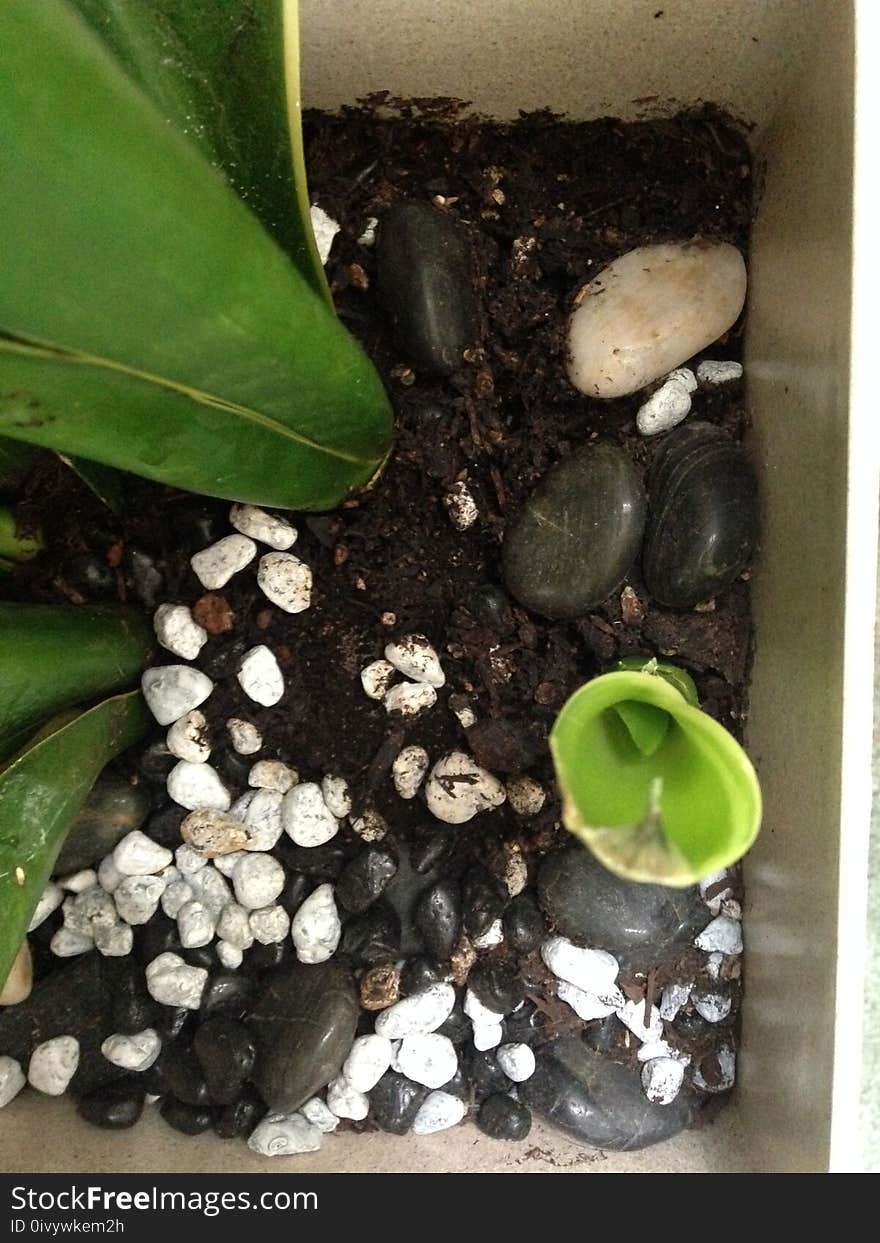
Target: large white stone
point(416, 659)
point(422, 1012)
point(173, 690)
point(723, 935)
point(587, 1006)
point(410, 698)
point(664, 409)
point(438, 1112)
point(50, 899)
point(651, 310)
point(367, 1062)
point(336, 795)
point(234, 926)
point(137, 898)
point(260, 677)
point(632, 1016)
point(53, 1064)
point(517, 1061)
point(139, 855)
point(195, 925)
point(346, 1101)
point(429, 1059)
point(592, 971)
point(197, 787)
point(662, 1078)
point(266, 528)
point(258, 880)
point(377, 677)
point(270, 924)
point(272, 775)
point(306, 817)
point(178, 632)
point(286, 581)
point(114, 940)
point(316, 927)
point(214, 566)
point(262, 815)
point(136, 1053)
point(458, 789)
point(173, 982)
point(316, 1112)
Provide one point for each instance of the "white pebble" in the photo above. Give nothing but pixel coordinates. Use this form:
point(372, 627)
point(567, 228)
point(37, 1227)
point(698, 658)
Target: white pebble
point(257, 880)
point(53, 1064)
point(78, 882)
point(336, 795)
point(178, 632)
point(215, 565)
point(660, 1048)
point(587, 1006)
point(50, 900)
point(272, 775)
point(286, 581)
point(316, 1112)
point(230, 955)
point(265, 528)
point(195, 925)
point(410, 698)
point(173, 690)
point(461, 506)
point(480, 1014)
point(12, 1079)
point(408, 770)
point(346, 1101)
point(136, 1053)
point(593, 971)
point(210, 887)
point(109, 875)
point(367, 1062)
point(305, 816)
point(632, 1016)
point(525, 795)
point(713, 1007)
point(187, 738)
point(139, 855)
point(416, 659)
point(714, 963)
point(420, 1013)
point(516, 871)
point(315, 927)
point(685, 377)
point(196, 787)
point(377, 677)
point(429, 1059)
point(466, 716)
point(173, 982)
point(137, 898)
point(368, 237)
point(83, 911)
point(711, 372)
point(487, 1036)
point(664, 409)
point(68, 943)
point(662, 1078)
point(234, 926)
point(674, 997)
point(176, 895)
point(438, 1112)
point(246, 738)
point(114, 940)
point(324, 228)
point(262, 816)
point(270, 924)
point(723, 934)
point(371, 826)
point(260, 677)
point(517, 1061)
point(284, 1135)
point(226, 863)
point(459, 789)
point(493, 935)
point(727, 1076)
point(186, 857)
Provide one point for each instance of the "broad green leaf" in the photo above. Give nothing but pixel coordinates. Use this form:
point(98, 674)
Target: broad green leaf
point(150, 322)
point(41, 790)
point(52, 657)
point(668, 814)
point(647, 725)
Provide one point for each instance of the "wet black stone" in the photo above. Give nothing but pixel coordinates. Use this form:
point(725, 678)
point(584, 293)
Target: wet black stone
point(482, 901)
point(430, 849)
point(524, 1026)
point(221, 657)
point(239, 1119)
point(501, 1117)
point(228, 992)
point(133, 1007)
point(164, 826)
point(296, 889)
point(502, 746)
point(599, 1101)
point(459, 1085)
point(703, 516)
point(497, 985)
point(268, 957)
point(233, 768)
point(364, 878)
point(188, 1119)
point(490, 606)
point(418, 974)
point(605, 1035)
point(154, 762)
point(304, 1025)
point(486, 1075)
point(403, 893)
point(639, 924)
point(395, 1101)
point(577, 535)
point(171, 1021)
point(457, 1027)
point(200, 956)
point(183, 1077)
point(114, 1107)
point(158, 936)
point(426, 285)
point(321, 863)
point(524, 925)
point(373, 937)
point(226, 1052)
point(146, 577)
point(113, 808)
point(438, 917)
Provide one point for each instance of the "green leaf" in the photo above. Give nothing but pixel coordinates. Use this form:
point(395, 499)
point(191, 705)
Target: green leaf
point(669, 814)
point(647, 725)
point(41, 790)
point(54, 657)
point(152, 324)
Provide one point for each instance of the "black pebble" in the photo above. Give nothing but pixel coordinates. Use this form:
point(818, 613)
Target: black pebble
point(491, 607)
point(296, 889)
point(188, 1119)
point(133, 1007)
point(91, 575)
point(524, 1026)
point(373, 937)
point(438, 917)
point(395, 1101)
point(502, 746)
point(114, 1107)
point(154, 763)
point(419, 973)
point(171, 1021)
point(430, 849)
point(497, 986)
point(459, 1085)
point(363, 879)
point(197, 527)
point(268, 957)
point(321, 863)
point(164, 826)
point(240, 1118)
point(524, 925)
point(228, 992)
point(222, 657)
point(502, 1117)
point(458, 1027)
point(159, 936)
point(182, 1075)
point(225, 1051)
point(482, 902)
point(485, 1074)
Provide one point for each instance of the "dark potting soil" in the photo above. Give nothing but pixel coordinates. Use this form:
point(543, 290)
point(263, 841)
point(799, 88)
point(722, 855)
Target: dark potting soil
point(547, 205)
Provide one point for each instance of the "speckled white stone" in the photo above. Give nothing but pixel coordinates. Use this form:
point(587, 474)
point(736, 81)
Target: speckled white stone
point(78, 882)
point(438, 1112)
point(269, 529)
point(114, 940)
point(429, 1059)
point(587, 1006)
point(305, 816)
point(336, 795)
point(68, 943)
point(195, 925)
point(257, 880)
point(593, 971)
point(178, 632)
point(711, 372)
point(210, 887)
point(50, 900)
point(139, 855)
point(260, 677)
point(176, 895)
point(83, 911)
point(284, 1135)
point(315, 928)
point(632, 1015)
point(12, 1079)
point(186, 858)
point(286, 581)
point(460, 505)
point(316, 1112)
point(493, 936)
point(230, 955)
point(367, 1062)
point(346, 1101)
point(408, 771)
point(410, 698)
point(662, 1078)
point(137, 898)
point(479, 1014)
point(109, 875)
point(664, 409)
point(516, 872)
point(136, 1053)
point(215, 565)
point(420, 1013)
point(377, 677)
point(713, 1007)
point(414, 657)
point(487, 1036)
point(270, 924)
point(234, 926)
point(525, 795)
point(517, 1061)
point(272, 775)
point(53, 1064)
point(226, 863)
point(459, 789)
point(723, 935)
point(673, 998)
point(173, 690)
point(187, 738)
point(197, 787)
point(262, 815)
point(173, 982)
point(245, 737)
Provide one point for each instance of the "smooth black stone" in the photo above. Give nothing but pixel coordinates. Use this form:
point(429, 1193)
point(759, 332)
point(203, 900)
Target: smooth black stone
point(486, 1075)
point(498, 986)
point(502, 746)
point(524, 1026)
point(501, 1117)
point(133, 1007)
point(418, 974)
point(233, 768)
point(239, 1119)
point(703, 516)
point(604, 1035)
point(182, 1075)
point(577, 535)
point(639, 924)
point(172, 1021)
point(113, 808)
point(221, 657)
point(91, 575)
point(226, 1053)
point(458, 1027)
point(114, 1107)
point(146, 578)
point(201, 956)
point(438, 917)
point(599, 1101)
point(426, 286)
point(228, 992)
point(459, 1085)
point(158, 936)
point(296, 889)
point(482, 901)
point(395, 1101)
point(164, 826)
point(154, 762)
point(364, 878)
point(321, 863)
point(373, 937)
point(188, 1119)
point(403, 893)
point(490, 606)
point(268, 957)
point(304, 1025)
point(430, 849)
point(524, 925)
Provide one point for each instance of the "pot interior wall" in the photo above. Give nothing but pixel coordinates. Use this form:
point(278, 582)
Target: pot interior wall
point(761, 60)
